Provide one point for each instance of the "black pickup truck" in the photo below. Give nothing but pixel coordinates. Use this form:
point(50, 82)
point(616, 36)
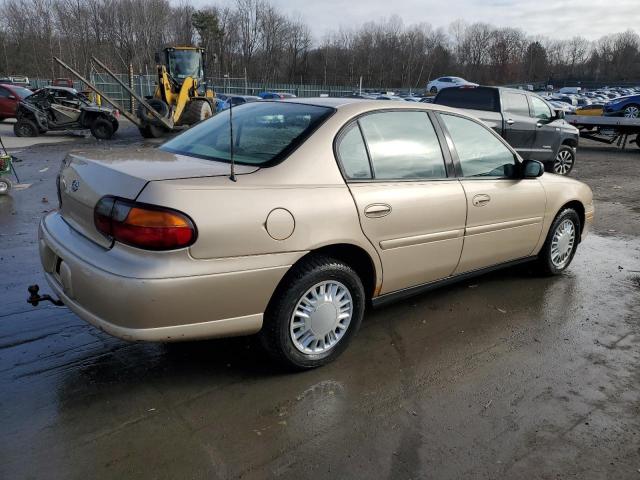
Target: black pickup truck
point(523, 119)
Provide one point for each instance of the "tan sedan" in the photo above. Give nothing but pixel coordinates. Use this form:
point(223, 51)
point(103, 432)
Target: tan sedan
point(333, 203)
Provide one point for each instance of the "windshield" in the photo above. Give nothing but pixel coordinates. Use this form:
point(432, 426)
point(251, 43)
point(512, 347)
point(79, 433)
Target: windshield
point(185, 63)
point(22, 92)
point(263, 133)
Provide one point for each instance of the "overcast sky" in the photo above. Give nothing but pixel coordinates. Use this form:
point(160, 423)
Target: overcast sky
point(553, 18)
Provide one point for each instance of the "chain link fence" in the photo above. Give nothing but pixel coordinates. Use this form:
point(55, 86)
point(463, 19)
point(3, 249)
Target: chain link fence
point(144, 85)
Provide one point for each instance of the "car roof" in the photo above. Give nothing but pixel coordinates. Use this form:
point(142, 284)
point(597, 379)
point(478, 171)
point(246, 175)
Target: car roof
point(66, 89)
point(362, 105)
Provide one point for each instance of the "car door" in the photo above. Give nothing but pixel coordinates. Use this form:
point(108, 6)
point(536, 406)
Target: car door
point(7, 105)
point(504, 211)
point(519, 126)
point(411, 206)
point(547, 138)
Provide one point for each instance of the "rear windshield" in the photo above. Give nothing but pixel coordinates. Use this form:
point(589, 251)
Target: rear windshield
point(263, 133)
point(471, 98)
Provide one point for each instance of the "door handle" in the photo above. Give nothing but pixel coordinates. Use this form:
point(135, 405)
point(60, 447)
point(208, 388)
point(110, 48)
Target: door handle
point(539, 125)
point(377, 210)
point(481, 200)
point(510, 121)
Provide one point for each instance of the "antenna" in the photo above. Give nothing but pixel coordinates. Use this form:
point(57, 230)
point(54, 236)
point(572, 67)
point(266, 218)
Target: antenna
point(232, 177)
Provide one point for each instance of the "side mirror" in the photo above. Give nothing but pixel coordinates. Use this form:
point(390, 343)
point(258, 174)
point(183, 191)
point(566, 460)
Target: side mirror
point(559, 114)
point(532, 169)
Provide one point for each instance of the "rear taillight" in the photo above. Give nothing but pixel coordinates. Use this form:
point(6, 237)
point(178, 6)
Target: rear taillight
point(143, 226)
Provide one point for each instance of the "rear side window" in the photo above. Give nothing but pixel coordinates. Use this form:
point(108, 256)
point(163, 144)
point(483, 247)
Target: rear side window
point(480, 153)
point(263, 133)
point(353, 154)
point(515, 103)
point(472, 98)
point(403, 145)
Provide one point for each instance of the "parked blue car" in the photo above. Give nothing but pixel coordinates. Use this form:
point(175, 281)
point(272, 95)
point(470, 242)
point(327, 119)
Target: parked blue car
point(275, 95)
point(239, 100)
point(628, 107)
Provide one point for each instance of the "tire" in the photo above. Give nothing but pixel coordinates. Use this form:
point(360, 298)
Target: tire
point(5, 185)
point(564, 161)
point(196, 111)
point(298, 292)
point(116, 125)
point(549, 262)
point(631, 111)
point(102, 128)
point(433, 90)
point(159, 106)
point(152, 131)
point(25, 128)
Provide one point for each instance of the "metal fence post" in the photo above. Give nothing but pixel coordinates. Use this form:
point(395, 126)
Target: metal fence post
point(132, 104)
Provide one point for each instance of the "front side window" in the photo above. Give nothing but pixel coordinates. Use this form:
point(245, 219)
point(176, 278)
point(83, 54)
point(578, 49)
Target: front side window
point(480, 153)
point(263, 133)
point(515, 103)
point(403, 145)
point(4, 93)
point(540, 109)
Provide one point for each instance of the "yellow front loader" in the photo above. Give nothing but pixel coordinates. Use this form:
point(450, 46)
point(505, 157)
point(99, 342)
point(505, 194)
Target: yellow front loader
point(181, 96)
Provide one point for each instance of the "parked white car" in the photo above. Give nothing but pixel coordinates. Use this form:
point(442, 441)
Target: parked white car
point(434, 86)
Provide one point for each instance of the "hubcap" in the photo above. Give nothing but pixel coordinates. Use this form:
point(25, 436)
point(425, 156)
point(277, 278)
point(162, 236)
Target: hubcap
point(562, 244)
point(321, 317)
point(563, 163)
point(631, 112)
point(25, 130)
point(4, 187)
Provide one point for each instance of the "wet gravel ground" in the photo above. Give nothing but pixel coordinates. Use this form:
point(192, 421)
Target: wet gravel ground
point(506, 376)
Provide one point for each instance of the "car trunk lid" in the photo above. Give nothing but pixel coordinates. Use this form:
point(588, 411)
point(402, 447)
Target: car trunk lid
point(86, 177)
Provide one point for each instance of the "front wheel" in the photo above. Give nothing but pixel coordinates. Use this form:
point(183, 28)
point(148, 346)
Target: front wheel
point(632, 111)
point(25, 128)
point(561, 243)
point(102, 128)
point(564, 161)
point(434, 90)
point(5, 185)
point(152, 131)
point(314, 313)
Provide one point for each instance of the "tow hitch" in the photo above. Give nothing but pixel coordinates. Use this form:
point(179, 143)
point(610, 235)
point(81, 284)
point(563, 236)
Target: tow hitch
point(34, 298)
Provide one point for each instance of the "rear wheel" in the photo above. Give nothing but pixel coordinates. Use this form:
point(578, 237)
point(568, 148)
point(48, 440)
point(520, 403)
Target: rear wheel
point(433, 90)
point(561, 243)
point(196, 111)
point(564, 161)
point(102, 128)
point(5, 185)
point(25, 128)
point(631, 111)
point(314, 313)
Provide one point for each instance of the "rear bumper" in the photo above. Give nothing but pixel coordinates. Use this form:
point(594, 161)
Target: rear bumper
point(164, 300)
